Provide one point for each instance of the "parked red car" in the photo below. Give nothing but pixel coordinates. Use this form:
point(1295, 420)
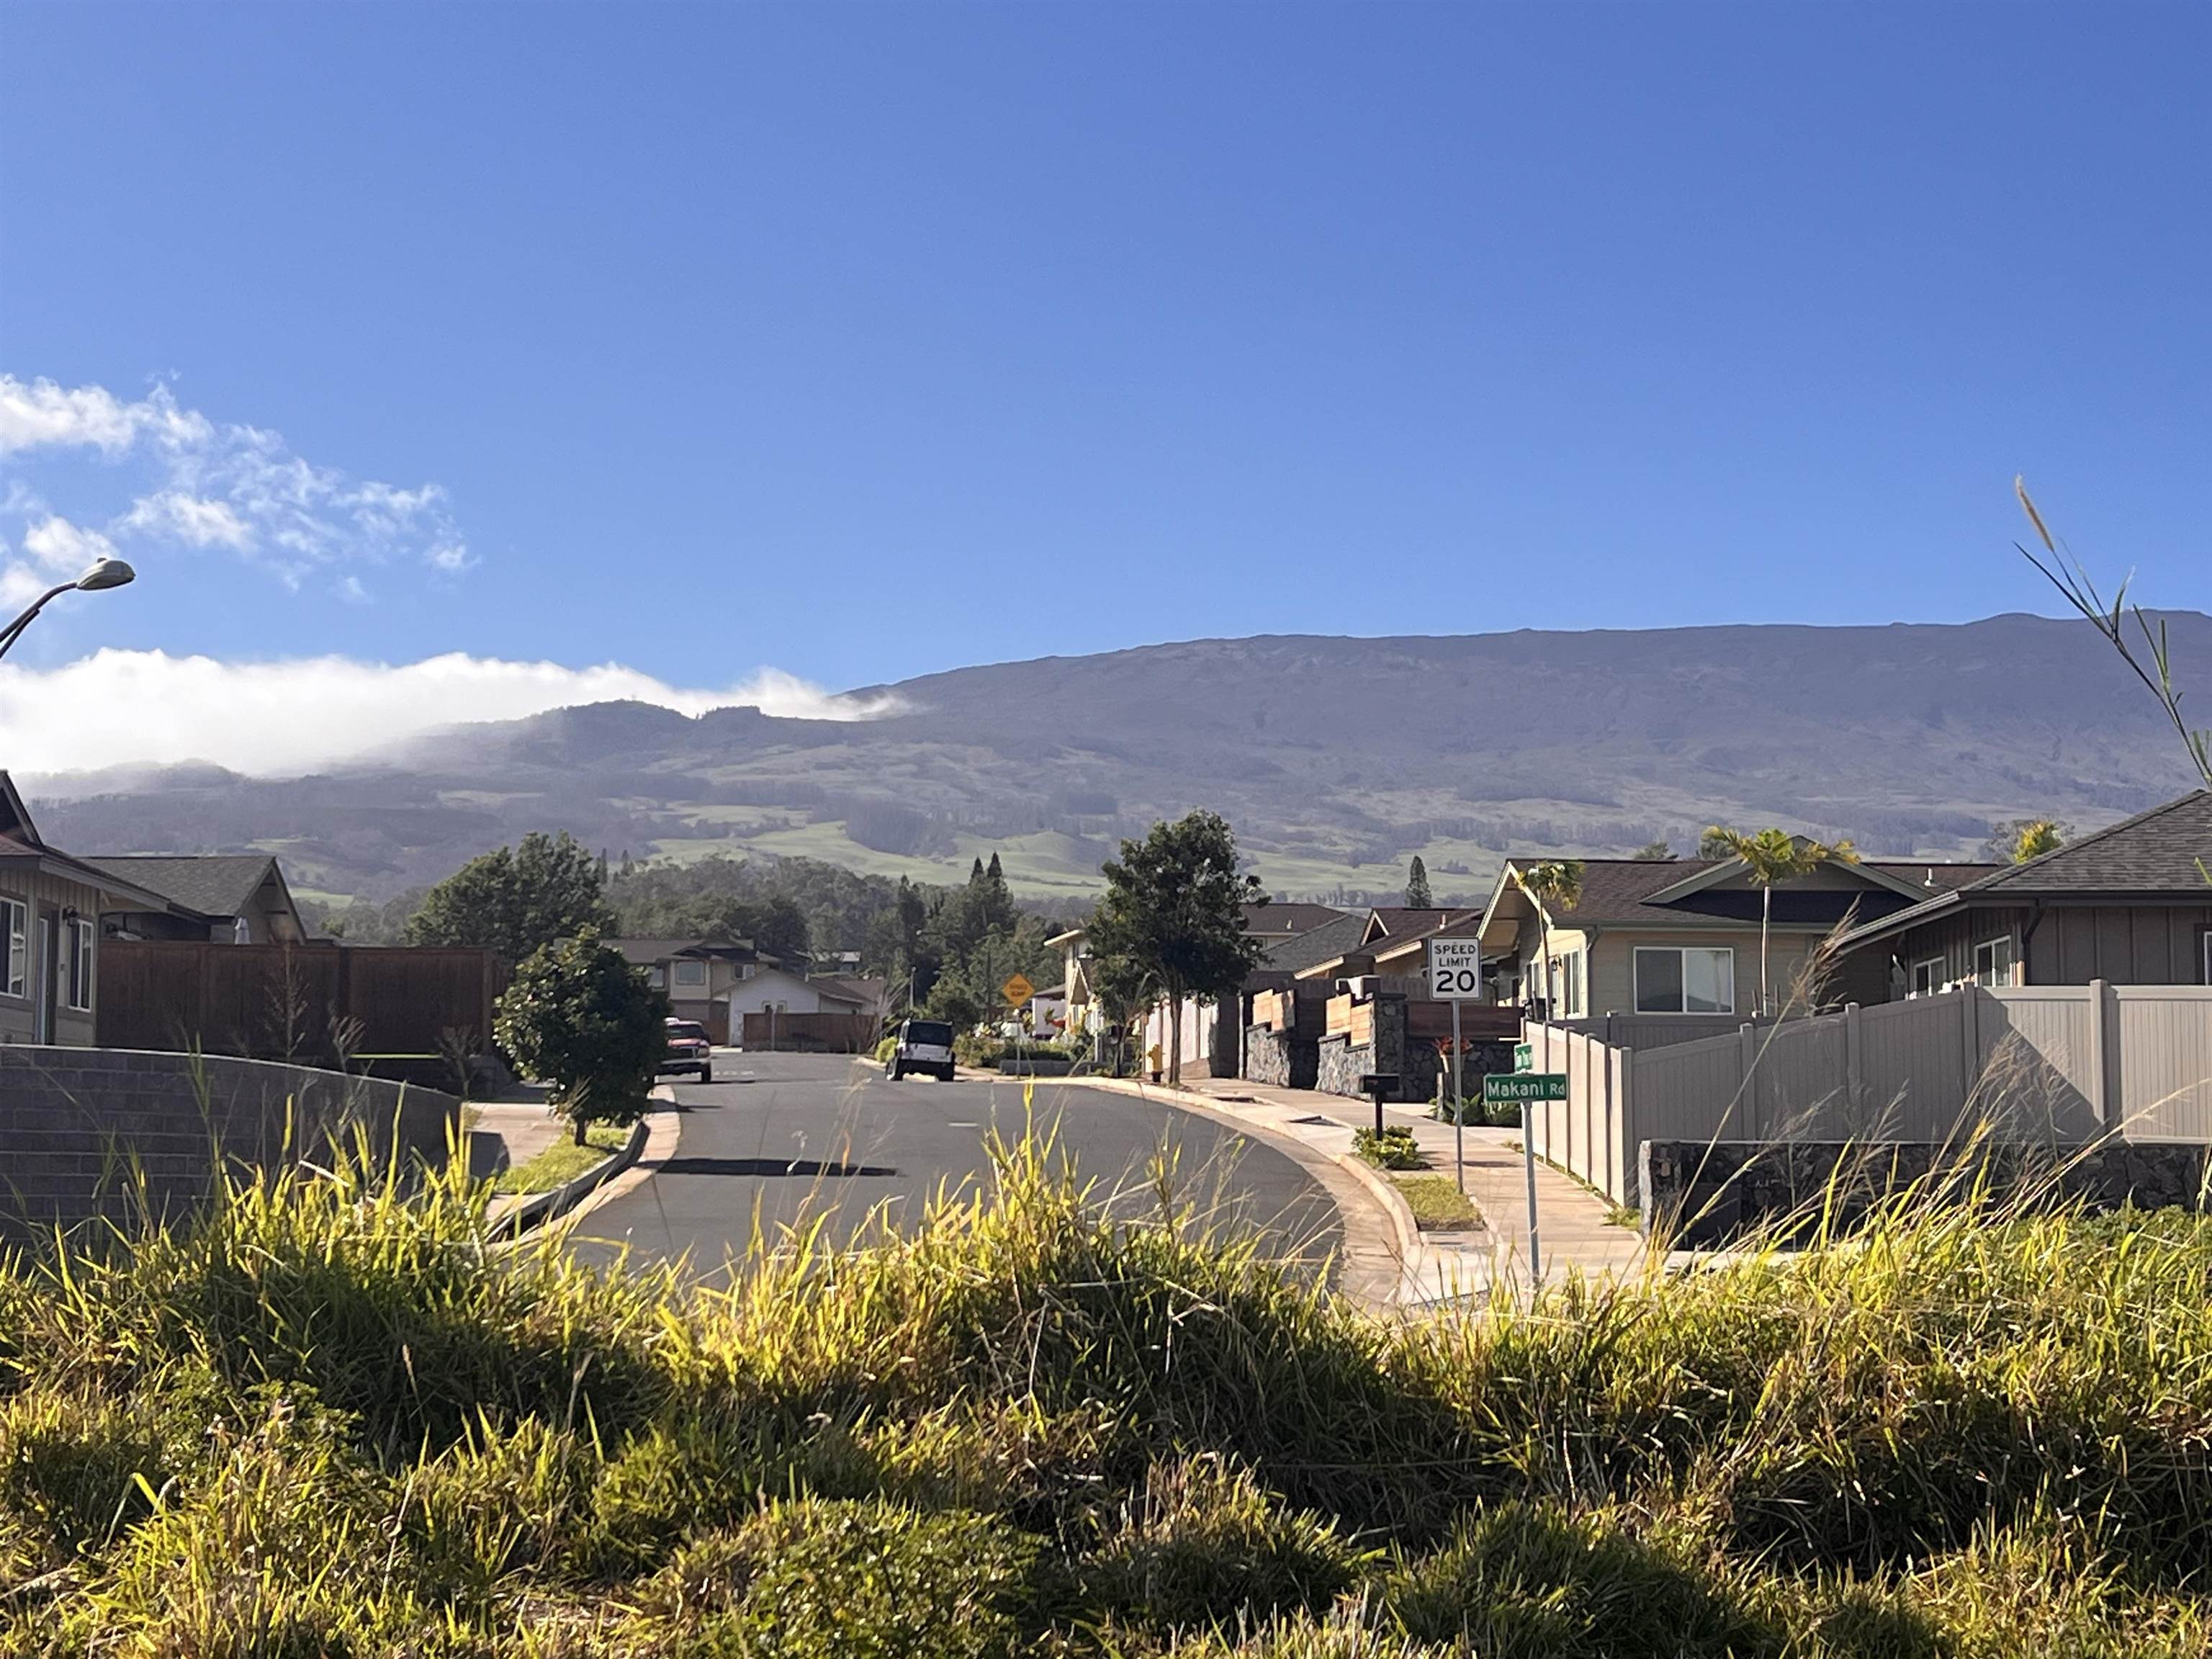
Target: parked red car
point(689, 1049)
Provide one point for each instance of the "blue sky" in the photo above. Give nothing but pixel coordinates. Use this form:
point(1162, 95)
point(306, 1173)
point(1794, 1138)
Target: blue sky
point(863, 342)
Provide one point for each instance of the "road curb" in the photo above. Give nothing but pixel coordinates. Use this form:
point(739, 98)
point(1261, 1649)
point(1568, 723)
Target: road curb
point(1406, 1245)
point(539, 1208)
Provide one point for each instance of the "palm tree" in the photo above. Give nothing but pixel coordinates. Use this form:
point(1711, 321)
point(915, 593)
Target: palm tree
point(1557, 882)
point(1772, 856)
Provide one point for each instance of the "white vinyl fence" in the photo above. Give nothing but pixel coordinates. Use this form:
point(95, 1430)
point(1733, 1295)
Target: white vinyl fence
point(2059, 1063)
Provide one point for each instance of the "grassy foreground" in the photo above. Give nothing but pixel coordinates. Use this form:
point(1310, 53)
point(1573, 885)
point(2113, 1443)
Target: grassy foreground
point(326, 1422)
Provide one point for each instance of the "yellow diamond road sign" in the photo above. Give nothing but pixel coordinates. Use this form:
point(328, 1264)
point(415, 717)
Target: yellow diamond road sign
point(1016, 991)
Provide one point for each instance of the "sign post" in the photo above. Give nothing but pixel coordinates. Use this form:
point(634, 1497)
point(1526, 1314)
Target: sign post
point(1524, 1090)
point(1017, 990)
point(1456, 976)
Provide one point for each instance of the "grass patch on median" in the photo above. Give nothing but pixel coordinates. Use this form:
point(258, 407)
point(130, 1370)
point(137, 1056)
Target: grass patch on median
point(328, 1418)
point(564, 1160)
point(1437, 1202)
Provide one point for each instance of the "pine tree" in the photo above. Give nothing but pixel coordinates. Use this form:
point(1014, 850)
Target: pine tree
point(975, 875)
point(1417, 885)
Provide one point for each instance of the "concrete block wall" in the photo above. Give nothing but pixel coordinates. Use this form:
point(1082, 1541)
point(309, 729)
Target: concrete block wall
point(1705, 1194)
point(79, 1127)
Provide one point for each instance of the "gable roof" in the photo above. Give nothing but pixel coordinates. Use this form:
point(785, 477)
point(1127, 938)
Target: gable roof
point(1271, 919)
point(1399, 921)
point(16, 818)
point(2159, 855)
point(645, 952)
point(1689, 893)
point(210, 885)
point(1327, 943)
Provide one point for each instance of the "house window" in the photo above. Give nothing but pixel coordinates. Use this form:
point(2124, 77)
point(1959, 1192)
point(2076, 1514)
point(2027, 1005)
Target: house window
point(14, 923)
point(1993, 961)
point(1928, 977)
point(690, 973)
point(1685, 981)
point(80, 965)
point(656, 976)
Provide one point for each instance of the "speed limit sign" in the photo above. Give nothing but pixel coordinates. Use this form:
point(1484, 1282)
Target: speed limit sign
point(1456, 969)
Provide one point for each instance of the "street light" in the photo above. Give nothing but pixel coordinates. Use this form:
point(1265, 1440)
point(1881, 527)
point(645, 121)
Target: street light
point(105, 573)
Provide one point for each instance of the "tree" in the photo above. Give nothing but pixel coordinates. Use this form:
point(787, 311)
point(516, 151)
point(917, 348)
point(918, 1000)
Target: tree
point(1772, 856)
point(1556, 884)
point(1173, 915)
point(2022, 839)
point(1714, 843)
point(517, 900)
point(1654, 852)
point(1417, 885)
point(580, 1018)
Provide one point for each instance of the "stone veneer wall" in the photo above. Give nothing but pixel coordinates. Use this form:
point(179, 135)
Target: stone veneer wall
point(1280, 1058)
point(79, 1127)
point(1706, 1194)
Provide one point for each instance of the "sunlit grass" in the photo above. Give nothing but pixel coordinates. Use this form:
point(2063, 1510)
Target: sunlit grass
point(564, 1160)
point(332, 1418)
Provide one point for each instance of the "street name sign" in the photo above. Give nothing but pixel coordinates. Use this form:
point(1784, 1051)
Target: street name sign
point(1524, 1056)
point(1522, 1088)
point(1456, 969)
point(1017, 990)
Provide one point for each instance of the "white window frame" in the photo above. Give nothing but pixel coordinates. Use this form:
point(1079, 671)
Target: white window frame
point(2011, 961)
point(80, 959)
point(2205, 945)
point(657, 976)
point(1571, 978)
point(1934, 979)
point(690, 973)
point(1680, 952)
point(15, 931)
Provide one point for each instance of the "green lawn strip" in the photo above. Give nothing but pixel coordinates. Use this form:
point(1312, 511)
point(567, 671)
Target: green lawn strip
point(564, 1160)
point(1438, 1203)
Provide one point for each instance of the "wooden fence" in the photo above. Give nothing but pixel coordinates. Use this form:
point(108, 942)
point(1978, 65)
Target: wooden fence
point(299, 1002)
point(2065, 1063)
point(816, 1034)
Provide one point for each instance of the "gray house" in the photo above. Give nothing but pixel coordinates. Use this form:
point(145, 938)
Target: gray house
point(231, 898)
point(50, 909)
point(2130, 905)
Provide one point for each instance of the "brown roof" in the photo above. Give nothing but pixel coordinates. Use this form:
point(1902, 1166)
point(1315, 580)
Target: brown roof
point(1271, 919)
point(2161, 856)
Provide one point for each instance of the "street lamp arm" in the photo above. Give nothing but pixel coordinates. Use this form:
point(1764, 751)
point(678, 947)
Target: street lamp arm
point(13, 629)
point(104, 574)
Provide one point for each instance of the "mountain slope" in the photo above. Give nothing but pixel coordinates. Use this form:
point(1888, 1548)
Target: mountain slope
point(1337, 758)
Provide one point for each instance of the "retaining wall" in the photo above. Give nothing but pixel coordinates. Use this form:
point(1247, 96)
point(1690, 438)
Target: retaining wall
point(80, 1127)
point(1286, 1060)
point(1707, 1194)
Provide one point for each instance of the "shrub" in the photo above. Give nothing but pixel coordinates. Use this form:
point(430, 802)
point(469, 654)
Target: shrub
point(885, 1050)
point(580, 1018)
point(1203, 1545)
point(811, 1579)
point(1391, 1148)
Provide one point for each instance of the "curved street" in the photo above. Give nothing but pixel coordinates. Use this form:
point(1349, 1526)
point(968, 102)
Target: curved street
point(793, 1136)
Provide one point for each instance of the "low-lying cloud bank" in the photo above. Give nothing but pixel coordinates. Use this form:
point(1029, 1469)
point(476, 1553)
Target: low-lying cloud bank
point(121, 708)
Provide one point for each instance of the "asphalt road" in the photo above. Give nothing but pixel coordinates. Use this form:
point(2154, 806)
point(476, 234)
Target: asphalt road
point(799, 1134)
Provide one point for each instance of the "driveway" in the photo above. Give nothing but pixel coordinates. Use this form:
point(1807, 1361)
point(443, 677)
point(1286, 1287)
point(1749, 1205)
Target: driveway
point(797, 1135)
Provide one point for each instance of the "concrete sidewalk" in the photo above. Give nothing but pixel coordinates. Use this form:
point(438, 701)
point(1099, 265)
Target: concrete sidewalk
point(1399, 1265)
point(506, 1133)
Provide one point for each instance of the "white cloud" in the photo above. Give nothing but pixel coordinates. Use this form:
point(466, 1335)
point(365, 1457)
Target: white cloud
point(38, 414)
point(185, 480)
point(190, 518)
point(117, 707)
point(62, 549)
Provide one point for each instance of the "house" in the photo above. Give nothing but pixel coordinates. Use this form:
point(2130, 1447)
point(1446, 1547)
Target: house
point(788, 993)
point(50, 909)
point(1666, 939)
point(2129, 905)
point(698, 975)
point(1213, 1028)
point(239, 898)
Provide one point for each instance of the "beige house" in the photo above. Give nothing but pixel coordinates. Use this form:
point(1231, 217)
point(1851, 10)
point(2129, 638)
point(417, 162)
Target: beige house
point(1666, 938)
point(50, 909)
